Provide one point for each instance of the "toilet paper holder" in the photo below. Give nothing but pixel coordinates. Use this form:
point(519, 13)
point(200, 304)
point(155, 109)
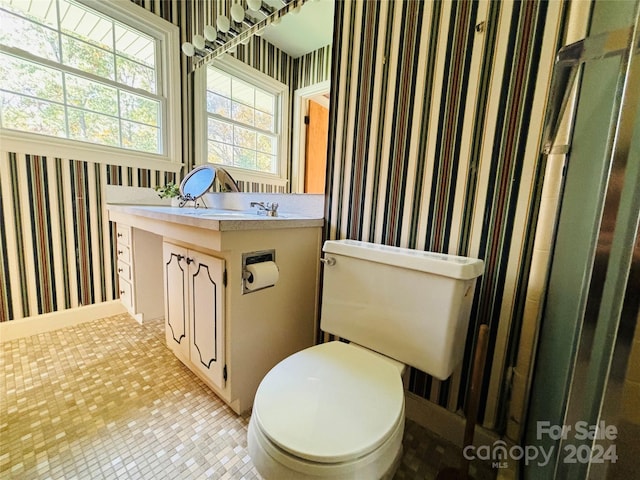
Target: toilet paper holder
point(252, 258)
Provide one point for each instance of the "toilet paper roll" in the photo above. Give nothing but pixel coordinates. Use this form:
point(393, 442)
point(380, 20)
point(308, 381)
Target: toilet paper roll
point(264, 274)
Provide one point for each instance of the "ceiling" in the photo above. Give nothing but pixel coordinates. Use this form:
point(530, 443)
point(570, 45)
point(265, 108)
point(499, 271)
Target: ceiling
point(300, 33)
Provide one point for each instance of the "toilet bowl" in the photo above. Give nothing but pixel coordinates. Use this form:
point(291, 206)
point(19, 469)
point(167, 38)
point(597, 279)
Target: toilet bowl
point(333, 411)
point(336, 410)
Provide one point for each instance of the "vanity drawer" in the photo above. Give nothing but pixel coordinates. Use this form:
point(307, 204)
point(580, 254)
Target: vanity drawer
point(123, 234)
point(124, 270)
point(126, 296)
point(124, 254)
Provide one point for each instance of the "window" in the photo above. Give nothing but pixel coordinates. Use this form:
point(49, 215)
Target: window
point(244, 119)
point(70, 71)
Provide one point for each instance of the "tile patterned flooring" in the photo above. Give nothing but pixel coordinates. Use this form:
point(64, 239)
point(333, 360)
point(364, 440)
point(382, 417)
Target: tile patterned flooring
point(107, 400)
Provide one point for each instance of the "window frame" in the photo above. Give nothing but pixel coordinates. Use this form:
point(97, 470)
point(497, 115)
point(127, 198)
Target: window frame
point(254, 77)
point(168, 83)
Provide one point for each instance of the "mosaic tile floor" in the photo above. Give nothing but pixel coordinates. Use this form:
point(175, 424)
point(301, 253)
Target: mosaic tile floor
point(107, 400)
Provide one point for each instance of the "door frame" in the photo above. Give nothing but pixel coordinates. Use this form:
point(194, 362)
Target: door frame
point(301, 99)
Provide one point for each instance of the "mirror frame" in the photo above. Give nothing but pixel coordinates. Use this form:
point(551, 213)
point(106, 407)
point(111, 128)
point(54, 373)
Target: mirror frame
point(188, 196)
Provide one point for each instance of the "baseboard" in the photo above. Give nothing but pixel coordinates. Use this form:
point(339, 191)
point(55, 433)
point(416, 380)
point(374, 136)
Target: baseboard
point(25, 327)
point(444, 423)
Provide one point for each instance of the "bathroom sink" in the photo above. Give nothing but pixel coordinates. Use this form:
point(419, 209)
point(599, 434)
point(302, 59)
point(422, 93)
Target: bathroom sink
point(214, 213)
point(208, 212)
point(221, 214)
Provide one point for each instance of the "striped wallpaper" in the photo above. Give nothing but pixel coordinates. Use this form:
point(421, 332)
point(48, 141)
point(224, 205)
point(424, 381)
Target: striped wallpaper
point(315, 67)
point(56, 245)
point(435, 122)
point(436, 115)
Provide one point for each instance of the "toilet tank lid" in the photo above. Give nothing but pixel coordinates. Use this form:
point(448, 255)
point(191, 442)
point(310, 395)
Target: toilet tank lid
point(453, 266)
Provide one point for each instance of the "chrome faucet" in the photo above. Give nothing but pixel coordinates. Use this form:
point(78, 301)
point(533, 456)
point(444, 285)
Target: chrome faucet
point(268, 209)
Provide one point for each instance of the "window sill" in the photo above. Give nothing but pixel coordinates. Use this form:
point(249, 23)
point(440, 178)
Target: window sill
point(33, 144)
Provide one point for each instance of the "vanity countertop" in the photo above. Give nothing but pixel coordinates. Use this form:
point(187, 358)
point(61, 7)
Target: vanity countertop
point(217, 219)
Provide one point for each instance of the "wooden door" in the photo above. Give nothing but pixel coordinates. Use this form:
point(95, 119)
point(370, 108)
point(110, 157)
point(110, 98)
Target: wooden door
point(316, 148)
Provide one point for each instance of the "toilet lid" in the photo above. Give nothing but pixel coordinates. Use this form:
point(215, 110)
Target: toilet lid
point(330, 403)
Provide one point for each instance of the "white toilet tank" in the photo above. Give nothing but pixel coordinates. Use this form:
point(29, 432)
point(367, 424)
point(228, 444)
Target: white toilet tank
point(407, 304)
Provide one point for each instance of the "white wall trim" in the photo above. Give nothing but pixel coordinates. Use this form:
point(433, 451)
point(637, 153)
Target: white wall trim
point(25, 327)
point(33, 144)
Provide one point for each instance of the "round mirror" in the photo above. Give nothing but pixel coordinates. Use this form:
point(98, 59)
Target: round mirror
point(197, 182)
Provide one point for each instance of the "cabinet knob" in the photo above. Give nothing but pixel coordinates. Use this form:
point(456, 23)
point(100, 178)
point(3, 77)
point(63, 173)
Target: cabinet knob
point(119, 235)
point(120, 270)
point(121, 292)
point(120, 252)
point(190, 261)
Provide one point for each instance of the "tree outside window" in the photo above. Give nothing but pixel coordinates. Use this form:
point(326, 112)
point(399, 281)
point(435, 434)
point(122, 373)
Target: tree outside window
point(69, 71)
point(241, 123)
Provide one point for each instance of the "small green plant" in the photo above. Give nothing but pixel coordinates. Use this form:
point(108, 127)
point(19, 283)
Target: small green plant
point(170, 190)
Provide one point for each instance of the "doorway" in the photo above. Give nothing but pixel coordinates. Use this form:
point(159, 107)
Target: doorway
point(310, 134)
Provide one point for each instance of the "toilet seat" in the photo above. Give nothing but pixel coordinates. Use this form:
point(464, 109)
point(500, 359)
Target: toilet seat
point(275, 464)
point(330, 404)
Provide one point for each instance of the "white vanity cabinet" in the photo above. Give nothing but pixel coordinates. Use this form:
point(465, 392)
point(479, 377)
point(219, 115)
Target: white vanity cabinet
point(139, 280)
point(194, 310)
point(230, 338)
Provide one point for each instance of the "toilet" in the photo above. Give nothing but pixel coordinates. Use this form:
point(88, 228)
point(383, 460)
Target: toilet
point(336, 410)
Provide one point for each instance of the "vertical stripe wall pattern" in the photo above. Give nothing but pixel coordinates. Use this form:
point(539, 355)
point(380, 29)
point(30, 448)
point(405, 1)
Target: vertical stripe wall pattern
point(312, 68)
point(56, 243)
point(437, 108)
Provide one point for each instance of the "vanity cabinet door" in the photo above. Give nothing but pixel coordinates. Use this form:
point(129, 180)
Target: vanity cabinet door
point(206, 312)
point(176, 283)
point(194, 310)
